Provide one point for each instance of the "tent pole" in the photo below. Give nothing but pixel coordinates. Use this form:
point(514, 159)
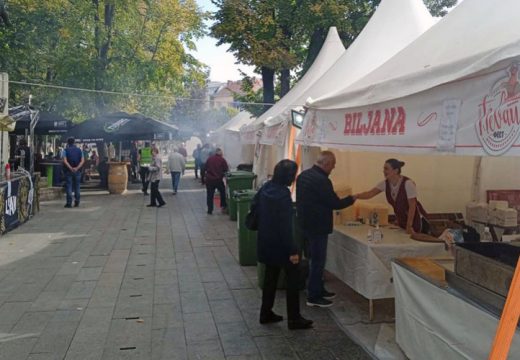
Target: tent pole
point(120, 148)
point(477, 175)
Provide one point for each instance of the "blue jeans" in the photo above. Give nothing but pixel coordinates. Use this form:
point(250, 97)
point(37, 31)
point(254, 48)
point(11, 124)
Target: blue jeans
point(176, 179)
point(318, 253)
point(72, 181)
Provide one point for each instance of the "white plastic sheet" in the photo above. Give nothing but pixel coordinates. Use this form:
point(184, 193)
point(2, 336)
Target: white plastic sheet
point(432, 323)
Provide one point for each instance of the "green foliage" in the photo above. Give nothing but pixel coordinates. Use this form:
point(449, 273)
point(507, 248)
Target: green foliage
point(132, 46)
point(439, 7)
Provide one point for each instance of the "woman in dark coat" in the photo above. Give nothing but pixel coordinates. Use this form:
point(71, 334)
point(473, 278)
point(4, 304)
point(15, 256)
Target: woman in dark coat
point(276, 248)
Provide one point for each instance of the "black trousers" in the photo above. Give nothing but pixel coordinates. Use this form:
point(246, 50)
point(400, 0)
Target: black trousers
point(293, 297)
point(155, 196)
point(143, 172)
point(203, 173)
point(210, 192)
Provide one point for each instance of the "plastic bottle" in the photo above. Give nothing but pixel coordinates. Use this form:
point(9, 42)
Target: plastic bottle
point(7, 171)
point(487, 235)
point(377, 235)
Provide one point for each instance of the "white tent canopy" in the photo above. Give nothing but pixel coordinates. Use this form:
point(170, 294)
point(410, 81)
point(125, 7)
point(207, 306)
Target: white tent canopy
point(394, 25)
point(330, 51)
point(243, 118)
point(227, 137)
point(455, 89)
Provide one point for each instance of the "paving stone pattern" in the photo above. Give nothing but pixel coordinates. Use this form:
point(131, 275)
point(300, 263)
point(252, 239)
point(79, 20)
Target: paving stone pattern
point(114, 279)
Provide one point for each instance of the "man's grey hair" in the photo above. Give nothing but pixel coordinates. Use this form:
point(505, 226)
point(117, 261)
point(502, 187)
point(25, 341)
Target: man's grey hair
point(325, 158)
point(218, 151)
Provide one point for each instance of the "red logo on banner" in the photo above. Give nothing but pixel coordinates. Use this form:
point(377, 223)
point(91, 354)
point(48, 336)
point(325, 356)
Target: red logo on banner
point(498, 126)
point(390, 121)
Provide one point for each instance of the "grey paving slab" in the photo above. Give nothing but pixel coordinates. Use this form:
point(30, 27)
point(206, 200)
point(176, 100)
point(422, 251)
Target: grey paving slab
point(169, 344)
point(17, 349)
point(205, 350)
point(81, 290)
point(199, 327)
point(56, 338)
point(225, 311)
point(236, 339)
point(167, 316)
point(11, 312)
point(194, 302)
point(89, 273)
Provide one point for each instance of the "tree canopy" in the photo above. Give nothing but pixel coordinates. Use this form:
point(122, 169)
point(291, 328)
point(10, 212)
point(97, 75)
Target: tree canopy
point(128, 46)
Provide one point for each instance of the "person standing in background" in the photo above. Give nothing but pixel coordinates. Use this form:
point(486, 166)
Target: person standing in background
point(196, 159)
point(176, 167)
point(145, 159)
point(182, 151)
point(23, 152)
point(216, 167)
point(205, 153)
point(155, 169)
point(73, 162)
point(134, 159)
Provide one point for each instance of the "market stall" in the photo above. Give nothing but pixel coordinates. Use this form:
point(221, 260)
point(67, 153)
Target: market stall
point(114, 129)
point(450, 92)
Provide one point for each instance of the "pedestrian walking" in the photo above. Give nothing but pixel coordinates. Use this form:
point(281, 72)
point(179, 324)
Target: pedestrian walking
point(316, 199)
point(216, 167)
point(176, 167)
point(73, 161)
point(276, 247)
point(134, 159)
point(205, 153)
point(155, 175)
point(196, 160)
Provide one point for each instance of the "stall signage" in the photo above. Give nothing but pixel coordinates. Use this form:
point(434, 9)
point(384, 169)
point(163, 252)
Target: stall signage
point(498, 126)
point(109, 128)
point(389, 121)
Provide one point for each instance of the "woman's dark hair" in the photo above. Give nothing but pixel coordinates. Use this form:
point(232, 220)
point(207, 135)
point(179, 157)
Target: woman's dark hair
point(395, 164)
point(285, 172)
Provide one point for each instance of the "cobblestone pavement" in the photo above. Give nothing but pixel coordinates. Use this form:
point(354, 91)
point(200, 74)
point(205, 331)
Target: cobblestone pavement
point(114, 279)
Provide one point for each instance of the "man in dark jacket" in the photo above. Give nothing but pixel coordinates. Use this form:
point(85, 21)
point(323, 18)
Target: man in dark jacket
point(316, 200)
point(73, 161)
point(216, 167)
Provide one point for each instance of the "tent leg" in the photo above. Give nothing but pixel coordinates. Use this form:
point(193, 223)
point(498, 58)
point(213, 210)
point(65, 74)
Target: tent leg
point(120, 149)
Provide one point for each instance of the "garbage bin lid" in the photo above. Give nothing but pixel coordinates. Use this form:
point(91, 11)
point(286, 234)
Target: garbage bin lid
point(240, 175)
point(244, 195)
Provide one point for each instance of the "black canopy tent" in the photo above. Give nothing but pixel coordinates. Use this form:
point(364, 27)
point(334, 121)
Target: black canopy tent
point(121, 126)
point(47, 123)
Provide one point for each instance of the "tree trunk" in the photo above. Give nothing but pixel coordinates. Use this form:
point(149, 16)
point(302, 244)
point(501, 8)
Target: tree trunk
point(103, 44)
point(4, 17)
point(317, 40)
point(268, 86)
point(285, 82)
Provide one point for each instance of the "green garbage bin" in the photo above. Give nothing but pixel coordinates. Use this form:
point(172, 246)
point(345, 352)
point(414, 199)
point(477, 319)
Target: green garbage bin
point(237, 180)
point(282, 279)
point(246, 237)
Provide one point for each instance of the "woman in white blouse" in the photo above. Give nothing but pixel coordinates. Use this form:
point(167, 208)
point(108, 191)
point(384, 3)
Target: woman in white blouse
point(401, 193)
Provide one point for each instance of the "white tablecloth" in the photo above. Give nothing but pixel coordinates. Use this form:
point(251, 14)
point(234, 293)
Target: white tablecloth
point(365, 266)
point(432, 323)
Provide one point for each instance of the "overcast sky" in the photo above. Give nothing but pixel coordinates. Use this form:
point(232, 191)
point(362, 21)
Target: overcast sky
point(221, 62)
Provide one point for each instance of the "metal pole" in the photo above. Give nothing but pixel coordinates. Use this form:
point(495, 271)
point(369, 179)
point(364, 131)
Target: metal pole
point(120, 149)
